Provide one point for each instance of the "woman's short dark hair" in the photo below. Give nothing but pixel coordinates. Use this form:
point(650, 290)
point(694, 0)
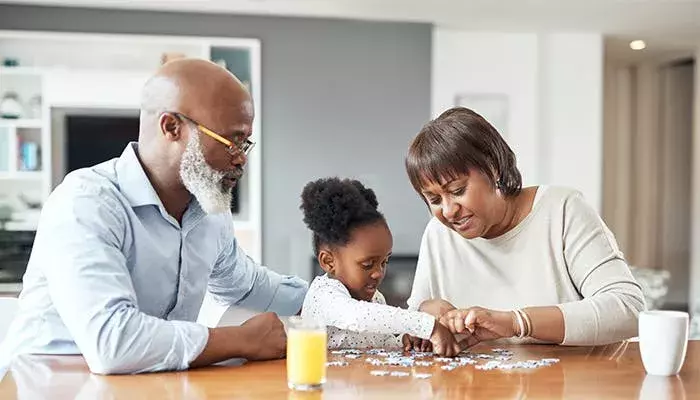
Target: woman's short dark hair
point(333, 207)
point(457, 142)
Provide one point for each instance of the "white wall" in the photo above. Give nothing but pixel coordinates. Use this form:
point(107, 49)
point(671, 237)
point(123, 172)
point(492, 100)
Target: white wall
point(554, 86)
point(571, 113)
point(492, 63)
point(695, 200)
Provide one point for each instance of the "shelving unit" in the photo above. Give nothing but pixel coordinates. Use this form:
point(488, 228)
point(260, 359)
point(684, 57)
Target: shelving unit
point(22, 123)
point(102, 73)
point(22, 172)
point(21, 71)
point(22, 175)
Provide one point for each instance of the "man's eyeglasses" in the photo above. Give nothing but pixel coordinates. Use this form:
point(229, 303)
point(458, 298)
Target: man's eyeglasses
point(233, 148)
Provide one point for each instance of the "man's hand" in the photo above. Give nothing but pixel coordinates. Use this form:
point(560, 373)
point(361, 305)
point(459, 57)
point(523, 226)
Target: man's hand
point(265, 337)
point(444, 342)
point(480, 323)
point(436, 307)
point(260, 338)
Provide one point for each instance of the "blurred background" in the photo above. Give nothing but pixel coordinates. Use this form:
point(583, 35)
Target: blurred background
point(596, 95)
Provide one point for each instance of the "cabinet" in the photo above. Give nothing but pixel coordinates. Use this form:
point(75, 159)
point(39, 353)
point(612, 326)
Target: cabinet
point(60, 74)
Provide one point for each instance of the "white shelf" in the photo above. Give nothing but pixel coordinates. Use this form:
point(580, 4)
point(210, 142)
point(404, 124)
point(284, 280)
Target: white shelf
point(21, 175)
point(21, 71)
point(22, 123)
point(11, 287)
point(21, 225)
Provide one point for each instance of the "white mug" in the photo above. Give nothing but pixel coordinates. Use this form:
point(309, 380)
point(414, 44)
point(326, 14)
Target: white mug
point(663, 340)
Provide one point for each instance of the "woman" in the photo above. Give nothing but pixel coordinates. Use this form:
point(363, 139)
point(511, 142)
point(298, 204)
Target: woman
point(534, 262)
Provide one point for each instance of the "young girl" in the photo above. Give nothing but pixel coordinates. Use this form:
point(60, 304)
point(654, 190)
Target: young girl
point(352, 243)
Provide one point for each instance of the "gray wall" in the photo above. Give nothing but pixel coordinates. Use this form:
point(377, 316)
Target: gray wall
point(339, 98)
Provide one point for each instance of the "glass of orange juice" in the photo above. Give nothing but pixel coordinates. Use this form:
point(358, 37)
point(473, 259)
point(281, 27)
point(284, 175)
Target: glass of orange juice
point(306, 354)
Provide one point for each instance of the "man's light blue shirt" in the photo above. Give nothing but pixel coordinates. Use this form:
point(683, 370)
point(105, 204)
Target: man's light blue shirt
point(113, 276)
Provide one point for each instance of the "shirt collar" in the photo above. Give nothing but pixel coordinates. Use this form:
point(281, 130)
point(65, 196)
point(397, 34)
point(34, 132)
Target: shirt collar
point(136, 187)
point(132, 179)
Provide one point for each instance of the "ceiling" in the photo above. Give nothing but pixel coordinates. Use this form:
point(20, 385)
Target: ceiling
point(674, 21)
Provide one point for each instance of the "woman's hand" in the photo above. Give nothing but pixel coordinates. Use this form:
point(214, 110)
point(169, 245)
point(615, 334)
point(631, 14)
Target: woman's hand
point(480, 324)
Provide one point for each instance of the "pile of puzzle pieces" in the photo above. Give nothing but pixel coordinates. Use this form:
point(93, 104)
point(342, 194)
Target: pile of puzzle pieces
point(498, 359)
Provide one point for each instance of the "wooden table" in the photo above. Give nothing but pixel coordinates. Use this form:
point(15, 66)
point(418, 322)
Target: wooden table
point(613, 371)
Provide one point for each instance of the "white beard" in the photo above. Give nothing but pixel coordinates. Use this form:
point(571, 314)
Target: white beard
point(204, 182)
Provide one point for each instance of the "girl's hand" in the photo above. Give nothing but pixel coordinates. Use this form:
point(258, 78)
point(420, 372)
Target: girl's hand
point(444, 342)
point(416, 343)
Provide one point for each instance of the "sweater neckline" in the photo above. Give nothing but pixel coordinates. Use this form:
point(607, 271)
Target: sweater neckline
point(536, 206)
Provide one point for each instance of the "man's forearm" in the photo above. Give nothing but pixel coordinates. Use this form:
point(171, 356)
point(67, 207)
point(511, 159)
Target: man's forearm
point(224, 343)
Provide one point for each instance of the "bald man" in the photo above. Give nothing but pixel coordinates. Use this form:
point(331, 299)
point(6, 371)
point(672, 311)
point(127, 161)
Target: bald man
point(126, 250)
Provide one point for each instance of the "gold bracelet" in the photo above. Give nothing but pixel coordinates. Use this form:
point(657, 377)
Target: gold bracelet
point(528, 322)
point(521, 324)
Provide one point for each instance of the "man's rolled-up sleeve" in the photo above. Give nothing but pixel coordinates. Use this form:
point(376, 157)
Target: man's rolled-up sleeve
point(238, 280)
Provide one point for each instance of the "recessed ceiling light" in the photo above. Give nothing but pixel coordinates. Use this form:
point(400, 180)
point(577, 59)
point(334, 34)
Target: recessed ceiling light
point(637, 45)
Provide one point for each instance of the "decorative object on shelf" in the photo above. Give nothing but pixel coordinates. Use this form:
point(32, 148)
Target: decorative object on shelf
point(29, 203)
point(10, 106)
point(34, 107)
point(10, 62)
point(221, 63)
point(29, 156)
point(171, 56)
point(492, 106)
